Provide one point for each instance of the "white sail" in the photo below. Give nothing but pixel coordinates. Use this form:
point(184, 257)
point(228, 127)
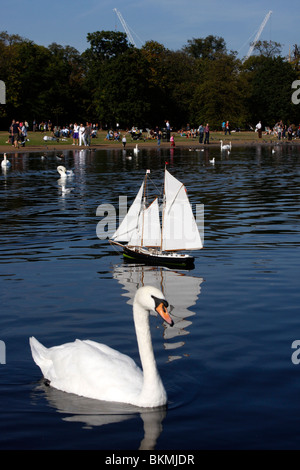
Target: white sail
point(147, 232)
point(180, 231)
point(129, 224)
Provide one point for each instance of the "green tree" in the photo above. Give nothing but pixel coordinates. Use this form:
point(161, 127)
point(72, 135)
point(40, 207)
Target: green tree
point(269, 81)
point(268, 48)
point(219, 95)
point(205, 48)
point(10, 72)
point(105, 45)
point(66, 93)
point(182, 81)
point(123, 95)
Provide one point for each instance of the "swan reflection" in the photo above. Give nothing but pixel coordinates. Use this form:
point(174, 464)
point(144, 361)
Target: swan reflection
point(92, 413)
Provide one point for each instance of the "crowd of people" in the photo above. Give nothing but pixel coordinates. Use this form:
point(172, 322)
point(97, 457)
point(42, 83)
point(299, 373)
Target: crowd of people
point(283, 131)
point(82, 134)
point(18, 133)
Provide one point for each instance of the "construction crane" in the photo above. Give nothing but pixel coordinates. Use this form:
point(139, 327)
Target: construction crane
point(123, 23)
point(253, 44)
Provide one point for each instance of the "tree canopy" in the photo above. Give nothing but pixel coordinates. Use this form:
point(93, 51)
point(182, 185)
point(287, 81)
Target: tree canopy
point(113, 81)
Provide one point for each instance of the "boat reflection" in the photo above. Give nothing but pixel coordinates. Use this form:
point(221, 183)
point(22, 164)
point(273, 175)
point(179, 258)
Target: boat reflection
point(180, 289)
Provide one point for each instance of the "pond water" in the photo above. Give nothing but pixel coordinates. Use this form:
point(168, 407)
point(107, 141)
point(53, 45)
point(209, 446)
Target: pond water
point(228, 365)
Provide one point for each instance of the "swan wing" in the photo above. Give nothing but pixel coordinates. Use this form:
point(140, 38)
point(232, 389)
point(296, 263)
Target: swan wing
point(89, 369)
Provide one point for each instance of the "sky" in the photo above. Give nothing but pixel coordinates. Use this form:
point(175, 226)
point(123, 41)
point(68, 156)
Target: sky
point(172, 23)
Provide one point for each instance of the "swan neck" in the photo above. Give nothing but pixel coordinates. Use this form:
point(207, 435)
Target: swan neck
point(152, 384)
point(142, 329)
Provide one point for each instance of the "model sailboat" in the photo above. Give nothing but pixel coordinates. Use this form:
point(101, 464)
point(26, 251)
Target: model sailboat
point(144, 238)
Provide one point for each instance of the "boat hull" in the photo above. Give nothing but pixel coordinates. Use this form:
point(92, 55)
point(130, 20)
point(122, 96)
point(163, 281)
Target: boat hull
point(152, 258)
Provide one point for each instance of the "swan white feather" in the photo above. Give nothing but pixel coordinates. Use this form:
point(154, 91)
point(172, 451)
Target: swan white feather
point(64, 172)
point(225, 147)
point(97, 371)
point(5, 163)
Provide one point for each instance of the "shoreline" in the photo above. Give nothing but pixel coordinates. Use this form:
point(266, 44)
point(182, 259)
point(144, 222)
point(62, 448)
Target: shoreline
point(189, 143)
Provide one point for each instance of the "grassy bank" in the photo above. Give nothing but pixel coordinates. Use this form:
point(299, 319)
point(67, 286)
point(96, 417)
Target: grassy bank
point(236, 138)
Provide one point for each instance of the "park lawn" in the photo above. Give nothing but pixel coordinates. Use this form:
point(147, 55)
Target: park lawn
point(36, 139)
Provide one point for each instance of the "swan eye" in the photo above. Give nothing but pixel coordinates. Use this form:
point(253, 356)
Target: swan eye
point(160, 301)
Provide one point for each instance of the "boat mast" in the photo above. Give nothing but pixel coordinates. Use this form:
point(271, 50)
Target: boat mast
point(144, 206)
point(163, 211)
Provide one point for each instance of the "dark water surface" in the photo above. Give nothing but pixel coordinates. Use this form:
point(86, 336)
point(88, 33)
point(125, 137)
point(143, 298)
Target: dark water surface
point(226, 365)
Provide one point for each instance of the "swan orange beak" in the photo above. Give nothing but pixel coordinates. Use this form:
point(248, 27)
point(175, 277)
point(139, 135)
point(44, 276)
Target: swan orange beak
point(163, 312)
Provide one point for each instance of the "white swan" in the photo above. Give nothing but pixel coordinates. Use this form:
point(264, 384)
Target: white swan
point(225, 147)
point(212, 161)
point(136, 149)
point(96, 371)
point(5, 163)
point(64, 172)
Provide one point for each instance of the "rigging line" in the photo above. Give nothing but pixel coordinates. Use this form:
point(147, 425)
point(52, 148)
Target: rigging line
point(175, 197)
point(246, 42)
point(141, 41)
point(157, 189)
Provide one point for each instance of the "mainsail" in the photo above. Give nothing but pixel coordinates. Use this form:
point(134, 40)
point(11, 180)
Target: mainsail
point(179, 228)
point(128, 225)
point(147, 232)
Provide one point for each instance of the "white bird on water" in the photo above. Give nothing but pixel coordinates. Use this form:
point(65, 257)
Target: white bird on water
point(226, 146)
point(212, 161)
point(136, 149)
point(94, 370)
point(64, 173)
point(5, 163)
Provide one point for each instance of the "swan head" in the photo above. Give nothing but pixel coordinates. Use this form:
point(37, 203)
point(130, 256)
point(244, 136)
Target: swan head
point(152, 299)
point(61, 170)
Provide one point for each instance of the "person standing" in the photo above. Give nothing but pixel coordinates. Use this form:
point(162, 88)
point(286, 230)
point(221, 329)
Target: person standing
point(75, 134)
point(259, 129)
point(87, 134)
point(172, 140)
point(15, 133)
point(23, 130)
point(124, 141)
point(206, 130)
point(168, 130)
point(227, 128)
point(81, 134)
point(158, 137)
point(279, 131)
point(201, 133)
